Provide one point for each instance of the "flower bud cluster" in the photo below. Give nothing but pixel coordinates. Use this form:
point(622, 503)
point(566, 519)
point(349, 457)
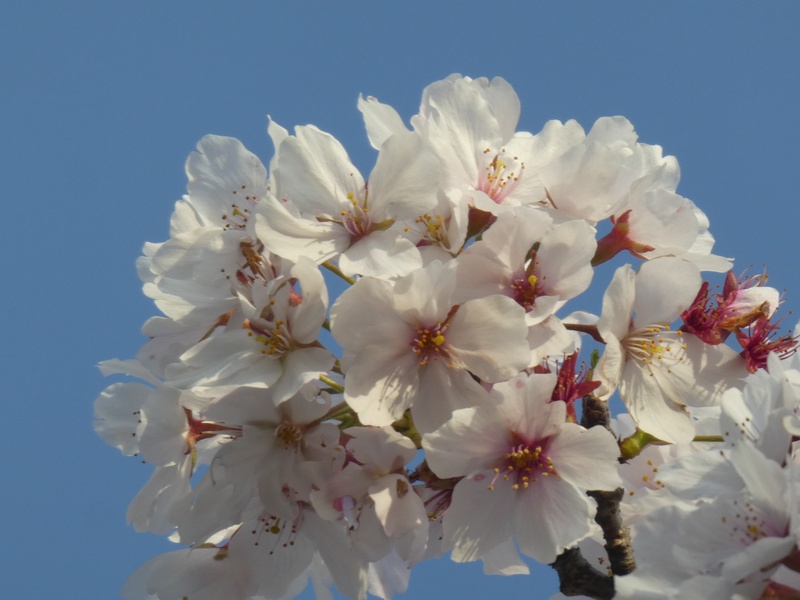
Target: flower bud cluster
point(441, 416)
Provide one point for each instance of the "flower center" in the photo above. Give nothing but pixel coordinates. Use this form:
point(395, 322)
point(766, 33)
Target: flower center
point(524, 464)
point(288, 434)
point(276, 340)
point(429, 343)
point(282, 533)
point(432, 229)
point(356, 219)
point(525, 290)
point(655, 345)
point(499, 178)
point(239, 213)
point(747, 523)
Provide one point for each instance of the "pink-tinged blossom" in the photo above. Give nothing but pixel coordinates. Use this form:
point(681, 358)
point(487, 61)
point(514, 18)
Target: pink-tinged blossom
point(593, 178)
point(758, 341)
point(276, 345)
point(407, 344)
point(540, 264)
point(525, 470)
point(212, 250)
point(740, 534)
point(373, 493)
point(155, 422)
point(657, 370)
point(654, 221)
point(471, 126)
point(742, 302)
point(572, 384)
point(256, 493)
point(324, 208)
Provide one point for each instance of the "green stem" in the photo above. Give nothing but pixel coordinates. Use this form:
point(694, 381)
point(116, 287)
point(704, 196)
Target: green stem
point(335, 270)
point(337, 386)
point(336, 411)
point(406, 427)
point(633, 445)
point(708, 438)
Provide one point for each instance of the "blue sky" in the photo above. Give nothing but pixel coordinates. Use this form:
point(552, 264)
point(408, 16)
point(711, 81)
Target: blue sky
point(101, 102)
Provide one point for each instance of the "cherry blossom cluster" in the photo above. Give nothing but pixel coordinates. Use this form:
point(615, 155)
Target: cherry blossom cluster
point(436, 404)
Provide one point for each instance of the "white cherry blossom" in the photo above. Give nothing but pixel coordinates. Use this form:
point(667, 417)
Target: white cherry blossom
point(524, 472)
point(409, 345)
point(659, 371)
point(323, 208)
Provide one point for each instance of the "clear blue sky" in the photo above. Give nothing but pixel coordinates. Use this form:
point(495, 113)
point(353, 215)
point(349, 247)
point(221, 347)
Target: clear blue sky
point(101, 102)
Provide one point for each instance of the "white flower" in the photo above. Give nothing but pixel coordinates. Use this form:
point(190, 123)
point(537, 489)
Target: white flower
point(374, 495)
point(658, 370)
point(323, 207)
point(541, 265)
point(744, 529)
point(471, 126)
point(157, 424)
point(408, 345)
point(274, 347)
point(193, 277)
point(593, 177)
point(525, 471)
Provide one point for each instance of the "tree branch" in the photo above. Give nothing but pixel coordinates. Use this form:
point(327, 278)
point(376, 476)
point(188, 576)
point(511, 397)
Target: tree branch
point(617, 536)
point(578, 578)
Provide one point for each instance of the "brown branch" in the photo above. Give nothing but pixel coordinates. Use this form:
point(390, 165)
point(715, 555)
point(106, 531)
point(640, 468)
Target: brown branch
point(590, 330)
point(595, 412)
point(578, 578)
point(617, 536)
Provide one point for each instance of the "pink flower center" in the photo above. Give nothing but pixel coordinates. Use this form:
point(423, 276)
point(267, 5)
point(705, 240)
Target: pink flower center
point(356, 221)
point(525, 290)
point(499, 178)
point(525, 463)
point(429, 343)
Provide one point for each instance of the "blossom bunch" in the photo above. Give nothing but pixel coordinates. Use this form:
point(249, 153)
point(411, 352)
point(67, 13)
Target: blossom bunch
point(353, 374)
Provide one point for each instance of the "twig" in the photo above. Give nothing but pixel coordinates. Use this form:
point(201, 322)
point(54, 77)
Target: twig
point(578, 578)
point(617, 536)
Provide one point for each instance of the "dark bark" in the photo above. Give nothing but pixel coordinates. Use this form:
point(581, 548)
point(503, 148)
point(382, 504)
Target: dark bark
point(578, 578)
point(617, 536)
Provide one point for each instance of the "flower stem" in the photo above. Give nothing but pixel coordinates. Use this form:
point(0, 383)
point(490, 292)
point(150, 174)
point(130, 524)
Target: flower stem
point(708, 438)
point(335, 270)
point(588, 329)
point(337, 386)
point(633, 445)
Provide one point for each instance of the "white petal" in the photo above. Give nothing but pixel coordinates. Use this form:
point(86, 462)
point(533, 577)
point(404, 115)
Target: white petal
point(292, 236)
point(315, 173)
point(381, 254)
point(587, 458)
point(404, 182)
point(398, 507)
point(478, 518)
point(552, 515)
point(615, 320)
point(381, 120)
point(651, 408)
point(490, 337)
point(665, 287)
